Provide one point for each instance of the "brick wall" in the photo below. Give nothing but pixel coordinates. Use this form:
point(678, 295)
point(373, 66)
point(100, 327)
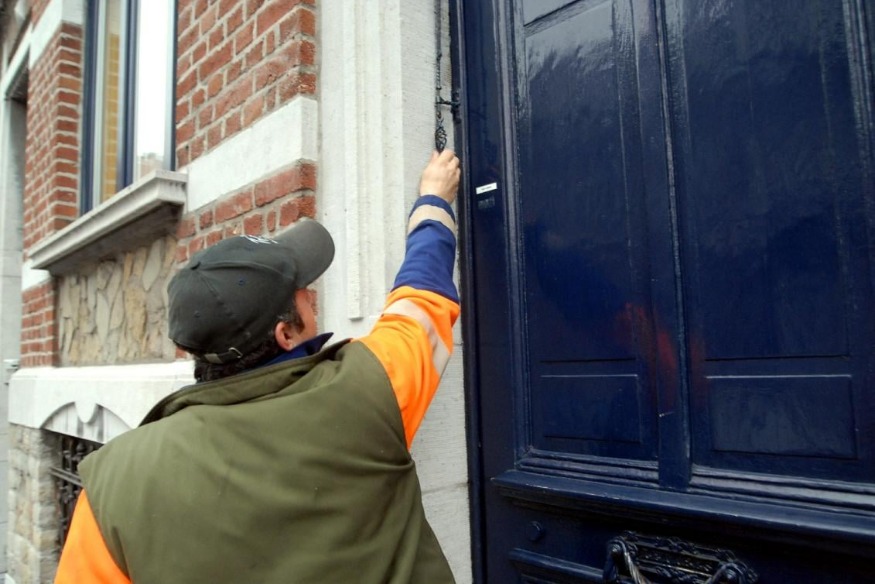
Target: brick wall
point(52, 150)
point(238, 60)
point(38, 327)
point(261, 208)
point(51, 176)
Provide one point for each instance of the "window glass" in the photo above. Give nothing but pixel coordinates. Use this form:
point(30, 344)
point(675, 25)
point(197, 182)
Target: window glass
point(128, 114)
point(108, 103)
point(151, 129)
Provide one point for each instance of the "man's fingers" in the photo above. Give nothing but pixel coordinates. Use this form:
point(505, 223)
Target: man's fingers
point(447, 155)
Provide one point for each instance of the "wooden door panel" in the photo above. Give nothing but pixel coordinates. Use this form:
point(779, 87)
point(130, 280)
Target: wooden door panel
point(583, 232)
point(774, 181)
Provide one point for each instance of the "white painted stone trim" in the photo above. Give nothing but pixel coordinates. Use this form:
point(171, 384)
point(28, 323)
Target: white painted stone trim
point(15, 63)
point(377, 100)
point(31, 277)
point(55, 13)
point(38, 394)
point(283, 137)
point(156, 189)
point(377, 60)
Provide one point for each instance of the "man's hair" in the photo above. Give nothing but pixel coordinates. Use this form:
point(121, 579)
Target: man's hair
point(264, 352)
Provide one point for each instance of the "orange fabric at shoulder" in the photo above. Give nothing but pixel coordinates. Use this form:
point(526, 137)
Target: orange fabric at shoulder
point(413, 340)
point(85, 559)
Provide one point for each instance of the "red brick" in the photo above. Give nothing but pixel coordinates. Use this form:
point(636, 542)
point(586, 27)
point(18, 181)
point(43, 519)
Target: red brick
point(272, 12)
point(183, 64)
point(198, 98)
point(233, 97)
point(300, 22)
point(269, 71)
point(215, 85)
point(235, 19)
point(186, 84)
point(214, 237)
point(195, 245)
point(197, 148)
point(186, 40)
point(300, 53)
point(233, 124)
point(289, 213)
point(234, 207)
point(182, 110)
point(252, 6)
point(215, 60)
point(183, 20)
point(214, 136)
point(64, 125)
point(185, 131)
point(70, 84)
point(297, 84)
point(234, 70)
point(216, 38)
point(253, 110)
point(253, 225)
point(182, 157)
point(65, 182)
point(199, 52)
point(301, 177)
point(226, 6)
point(206, 219)
point(271, 221)
point(208, 19)
point(186, 228)
point(243, 38)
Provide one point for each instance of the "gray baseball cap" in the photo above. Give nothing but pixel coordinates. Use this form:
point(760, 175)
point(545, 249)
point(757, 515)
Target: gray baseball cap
point(225, 301)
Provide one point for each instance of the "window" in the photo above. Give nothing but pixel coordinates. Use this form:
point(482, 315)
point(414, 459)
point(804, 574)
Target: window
point(128, 113)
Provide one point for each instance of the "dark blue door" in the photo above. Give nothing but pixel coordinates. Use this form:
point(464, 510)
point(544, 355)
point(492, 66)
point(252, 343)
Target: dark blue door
point(671, 328)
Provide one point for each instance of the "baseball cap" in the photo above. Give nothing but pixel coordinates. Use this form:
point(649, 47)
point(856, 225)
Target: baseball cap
point(225, 301)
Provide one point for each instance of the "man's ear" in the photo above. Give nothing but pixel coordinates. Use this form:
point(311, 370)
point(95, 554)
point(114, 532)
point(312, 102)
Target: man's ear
point(285, 335)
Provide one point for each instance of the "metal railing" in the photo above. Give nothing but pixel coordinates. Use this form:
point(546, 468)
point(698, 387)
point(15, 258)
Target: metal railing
point(68, 483)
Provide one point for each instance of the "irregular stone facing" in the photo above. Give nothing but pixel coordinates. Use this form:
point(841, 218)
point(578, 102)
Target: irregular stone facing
point(34, 514)
point(115, 312)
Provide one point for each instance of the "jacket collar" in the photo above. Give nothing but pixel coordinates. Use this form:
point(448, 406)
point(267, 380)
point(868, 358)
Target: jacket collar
point(243, 387)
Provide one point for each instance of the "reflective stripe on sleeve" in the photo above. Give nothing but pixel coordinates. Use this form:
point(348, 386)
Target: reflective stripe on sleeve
point(440, 353)
point(425, 212)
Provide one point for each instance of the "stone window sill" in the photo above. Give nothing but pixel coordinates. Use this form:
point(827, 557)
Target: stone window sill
point(132, 218)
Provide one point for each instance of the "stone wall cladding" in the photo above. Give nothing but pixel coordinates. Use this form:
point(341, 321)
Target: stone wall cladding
point(51, 182)
point(238, 60)
point(115, 311)
point(34, 513)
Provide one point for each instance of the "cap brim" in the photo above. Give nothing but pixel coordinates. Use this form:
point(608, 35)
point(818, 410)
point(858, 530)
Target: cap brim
point(312, 248)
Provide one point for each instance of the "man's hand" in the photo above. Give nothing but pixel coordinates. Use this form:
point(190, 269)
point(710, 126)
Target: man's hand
point(441, 176)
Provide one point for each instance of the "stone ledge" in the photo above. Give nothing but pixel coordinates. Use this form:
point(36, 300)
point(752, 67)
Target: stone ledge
point(133, 217)
point(95, 403)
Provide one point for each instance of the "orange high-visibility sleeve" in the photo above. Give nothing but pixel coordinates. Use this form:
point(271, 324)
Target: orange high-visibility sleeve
point(85, 559)
point(413, 340)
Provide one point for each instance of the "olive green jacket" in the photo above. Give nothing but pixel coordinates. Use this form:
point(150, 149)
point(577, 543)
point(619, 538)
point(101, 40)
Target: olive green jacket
point(293, 473)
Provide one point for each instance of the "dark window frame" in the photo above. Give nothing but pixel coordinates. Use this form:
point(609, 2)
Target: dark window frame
point(126, 148)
